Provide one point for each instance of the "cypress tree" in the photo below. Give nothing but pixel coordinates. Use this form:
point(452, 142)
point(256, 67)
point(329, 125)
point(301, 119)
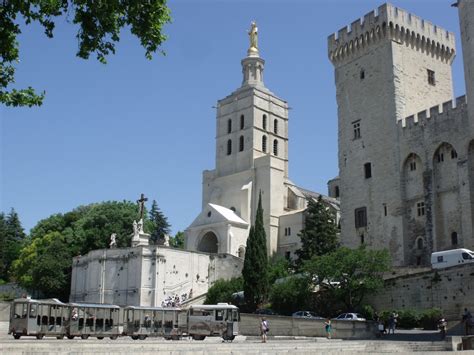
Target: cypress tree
point(12, 237)
point(255, 271)
point(160, 225)
point(319, 235)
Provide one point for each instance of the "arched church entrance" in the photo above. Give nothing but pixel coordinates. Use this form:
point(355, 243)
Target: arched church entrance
point(208, 243)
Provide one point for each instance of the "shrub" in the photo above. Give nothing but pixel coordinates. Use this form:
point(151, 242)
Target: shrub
point(429, 318)
point(290, 295)
point(367, 311)
point(408, 319)
point(222, 290)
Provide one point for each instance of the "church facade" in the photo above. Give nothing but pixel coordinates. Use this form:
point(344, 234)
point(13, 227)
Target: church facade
point(406, 146)
point(251, 159)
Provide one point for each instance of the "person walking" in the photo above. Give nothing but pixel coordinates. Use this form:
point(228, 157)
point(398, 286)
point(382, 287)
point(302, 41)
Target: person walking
point(328, 328)
point(392, 323)
point(264, 329)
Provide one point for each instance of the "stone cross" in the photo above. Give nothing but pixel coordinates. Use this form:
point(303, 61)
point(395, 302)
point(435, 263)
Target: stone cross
point(141, 204)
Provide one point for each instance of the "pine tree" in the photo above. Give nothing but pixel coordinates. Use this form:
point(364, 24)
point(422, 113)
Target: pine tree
point(12, 237)
point(255, 271)
point(319, 235)
point(160, 225)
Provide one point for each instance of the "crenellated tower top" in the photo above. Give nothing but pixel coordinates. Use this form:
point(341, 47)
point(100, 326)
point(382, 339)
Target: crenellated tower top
point(393, 23)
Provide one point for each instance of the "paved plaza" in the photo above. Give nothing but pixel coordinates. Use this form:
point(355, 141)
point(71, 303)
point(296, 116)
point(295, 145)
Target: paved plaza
point(405, 342)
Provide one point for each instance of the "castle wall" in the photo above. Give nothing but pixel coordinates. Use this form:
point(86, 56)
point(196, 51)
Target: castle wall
point(449, 289)
point(390, 65)
point(466, 16)
point(439, 139)
point(145, 276)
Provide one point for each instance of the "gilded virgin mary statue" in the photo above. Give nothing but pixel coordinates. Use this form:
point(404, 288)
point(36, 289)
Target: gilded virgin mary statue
point(253, 36)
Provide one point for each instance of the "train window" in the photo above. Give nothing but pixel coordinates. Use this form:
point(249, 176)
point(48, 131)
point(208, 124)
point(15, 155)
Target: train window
point(219, 315)
point(235, 315)
point(20, 310)
point(33, 308)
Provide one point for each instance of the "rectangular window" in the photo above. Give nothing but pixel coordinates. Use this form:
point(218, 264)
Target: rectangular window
point(368, 170)
point(356, 128)
point(360, 217)
point(384, 210)
point(420, 207)
point(440, 157)
point(412, 165)
point(431, 77)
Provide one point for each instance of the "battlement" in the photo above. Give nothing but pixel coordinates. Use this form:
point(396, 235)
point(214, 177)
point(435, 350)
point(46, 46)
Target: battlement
point(388, 21)
point(448, 110)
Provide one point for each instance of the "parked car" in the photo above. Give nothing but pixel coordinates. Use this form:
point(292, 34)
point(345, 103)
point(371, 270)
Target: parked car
point(306, 314)
point(265, 311)
point(350, 316)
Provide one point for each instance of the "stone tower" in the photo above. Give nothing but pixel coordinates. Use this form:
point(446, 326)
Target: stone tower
point(251, 157)
point(389, 65)
point(466, 18)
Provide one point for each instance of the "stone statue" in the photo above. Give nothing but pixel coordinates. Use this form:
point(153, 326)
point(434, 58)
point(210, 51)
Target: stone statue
point(253, 34)
point(135, 228)
point(140, 226)
point(113, 242)
point(167, 240)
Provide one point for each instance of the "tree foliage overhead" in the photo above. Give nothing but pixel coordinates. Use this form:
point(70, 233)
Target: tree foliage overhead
point(319, 235)
point(159, 225)
point(349, 274)
point(44, 264)
point(255, 271)
point(12, 238)
point(99, 23)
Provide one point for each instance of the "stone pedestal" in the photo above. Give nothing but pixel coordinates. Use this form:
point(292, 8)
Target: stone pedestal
point(140, 239)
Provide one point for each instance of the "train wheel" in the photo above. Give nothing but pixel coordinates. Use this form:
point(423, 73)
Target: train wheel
point(134, 337)
point(70, 337)
point(16, 336)
point(59, 337)
point(113, 337)
point(199, 337)
point(100, 338)
point(142, 337)
point(39, 336)
point(84, 336)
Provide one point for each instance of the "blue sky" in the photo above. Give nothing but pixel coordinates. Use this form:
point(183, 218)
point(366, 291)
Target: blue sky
point(111, 132)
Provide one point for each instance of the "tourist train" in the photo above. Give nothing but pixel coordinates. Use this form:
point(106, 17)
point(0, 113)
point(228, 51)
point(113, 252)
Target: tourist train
point(53, 318)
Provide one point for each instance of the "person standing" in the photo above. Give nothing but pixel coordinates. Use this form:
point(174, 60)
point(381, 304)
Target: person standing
point(467, 319)
point(328, 328)
point(264, 329)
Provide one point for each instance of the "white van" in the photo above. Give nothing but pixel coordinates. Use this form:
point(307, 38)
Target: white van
point(453, 257)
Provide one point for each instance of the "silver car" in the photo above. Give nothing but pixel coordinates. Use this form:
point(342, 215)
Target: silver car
point(350, 316)
point(306, 314)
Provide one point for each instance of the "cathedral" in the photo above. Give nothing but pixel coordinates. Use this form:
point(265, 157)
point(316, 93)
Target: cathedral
point(251, 159)
point(406, 145)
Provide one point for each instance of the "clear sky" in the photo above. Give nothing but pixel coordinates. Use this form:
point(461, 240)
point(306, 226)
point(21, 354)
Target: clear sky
point(111, 132)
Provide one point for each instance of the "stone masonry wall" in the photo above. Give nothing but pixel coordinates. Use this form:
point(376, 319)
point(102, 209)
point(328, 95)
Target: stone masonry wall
point(451, 289)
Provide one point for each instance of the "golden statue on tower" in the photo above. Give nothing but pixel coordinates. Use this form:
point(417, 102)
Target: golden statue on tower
point(253, 36)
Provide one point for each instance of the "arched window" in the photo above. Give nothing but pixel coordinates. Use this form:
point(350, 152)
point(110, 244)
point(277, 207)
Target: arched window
point(229, 147)
point(275, 147)
point(264, 122)
point(242, 122)
point(275, 126)
point(419, 243)
point(229, 126)
point(454, 238)
point(241, 143)
point(336, 192)
point(264, 144)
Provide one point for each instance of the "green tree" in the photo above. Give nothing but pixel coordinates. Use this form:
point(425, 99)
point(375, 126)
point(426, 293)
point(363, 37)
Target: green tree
point(255, 271)
point(99, 25)
point(222, 290)
point(12, 238)
point(278, 267)
point(44, 263)
point(290, 294)
point(177, 241)
point(349, 274)
point(159, 224)
point(319, 235)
